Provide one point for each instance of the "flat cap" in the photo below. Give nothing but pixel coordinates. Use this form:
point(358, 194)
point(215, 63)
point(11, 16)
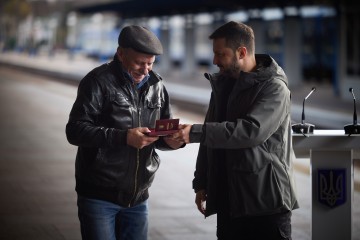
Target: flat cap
point(140, 39)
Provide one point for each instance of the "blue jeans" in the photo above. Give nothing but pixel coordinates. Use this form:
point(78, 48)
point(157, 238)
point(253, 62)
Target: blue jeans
point(102, 220)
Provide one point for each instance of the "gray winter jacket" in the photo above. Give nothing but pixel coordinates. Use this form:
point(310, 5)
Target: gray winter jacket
point(256, 139)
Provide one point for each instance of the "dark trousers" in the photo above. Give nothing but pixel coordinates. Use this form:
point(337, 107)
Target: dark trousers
point(270, 227)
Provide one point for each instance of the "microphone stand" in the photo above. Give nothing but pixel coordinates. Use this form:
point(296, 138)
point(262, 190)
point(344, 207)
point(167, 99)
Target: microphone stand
point(352, 128)
point(304, 128)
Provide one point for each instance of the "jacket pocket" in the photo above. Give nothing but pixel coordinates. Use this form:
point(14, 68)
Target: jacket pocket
point(108, 167)
point(153, 106)
point(255, 193)
point(120, 100)
point(120, 112)
point(154, 102)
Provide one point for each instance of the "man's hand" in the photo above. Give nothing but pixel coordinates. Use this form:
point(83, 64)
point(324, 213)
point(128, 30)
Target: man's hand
point(174, 144)
point(137, 139)
point(200, 200)
point(183, 134)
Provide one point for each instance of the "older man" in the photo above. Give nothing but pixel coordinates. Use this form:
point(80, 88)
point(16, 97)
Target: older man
point(116, 161)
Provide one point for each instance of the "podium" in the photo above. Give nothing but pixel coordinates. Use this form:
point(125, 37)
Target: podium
point(331, 155)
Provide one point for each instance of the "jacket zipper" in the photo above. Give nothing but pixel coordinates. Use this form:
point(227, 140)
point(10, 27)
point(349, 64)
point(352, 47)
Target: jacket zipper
point(137, 100)
point(136, 175)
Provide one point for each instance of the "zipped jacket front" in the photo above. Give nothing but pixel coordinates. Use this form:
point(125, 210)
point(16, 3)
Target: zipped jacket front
point(107, 105)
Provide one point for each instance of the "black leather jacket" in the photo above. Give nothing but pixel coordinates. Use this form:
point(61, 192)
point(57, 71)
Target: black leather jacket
point(107, 105)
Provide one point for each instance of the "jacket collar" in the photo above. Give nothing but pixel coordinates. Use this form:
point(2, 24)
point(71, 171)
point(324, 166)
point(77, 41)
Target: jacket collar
point(266, 69)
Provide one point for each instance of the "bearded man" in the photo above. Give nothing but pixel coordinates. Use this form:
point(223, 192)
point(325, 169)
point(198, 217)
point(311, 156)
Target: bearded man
point(244, 168)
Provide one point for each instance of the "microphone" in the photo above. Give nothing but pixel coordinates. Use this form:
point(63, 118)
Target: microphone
point(304, 127)
point(352, 128)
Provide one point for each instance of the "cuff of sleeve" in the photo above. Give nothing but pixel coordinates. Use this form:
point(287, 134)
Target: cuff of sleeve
point(196, 187)
point(196, 133)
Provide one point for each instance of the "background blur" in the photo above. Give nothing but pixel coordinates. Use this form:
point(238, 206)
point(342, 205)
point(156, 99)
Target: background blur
point(314, 41)
point(47, 46)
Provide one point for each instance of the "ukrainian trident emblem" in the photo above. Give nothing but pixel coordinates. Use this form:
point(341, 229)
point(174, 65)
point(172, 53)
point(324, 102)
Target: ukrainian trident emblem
point(332, 187)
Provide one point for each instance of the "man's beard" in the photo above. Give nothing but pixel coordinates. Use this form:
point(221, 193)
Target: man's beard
point(233, 70)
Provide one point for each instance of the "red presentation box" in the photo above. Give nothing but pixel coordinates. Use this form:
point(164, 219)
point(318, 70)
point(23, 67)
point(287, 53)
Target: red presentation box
point(164, 127)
